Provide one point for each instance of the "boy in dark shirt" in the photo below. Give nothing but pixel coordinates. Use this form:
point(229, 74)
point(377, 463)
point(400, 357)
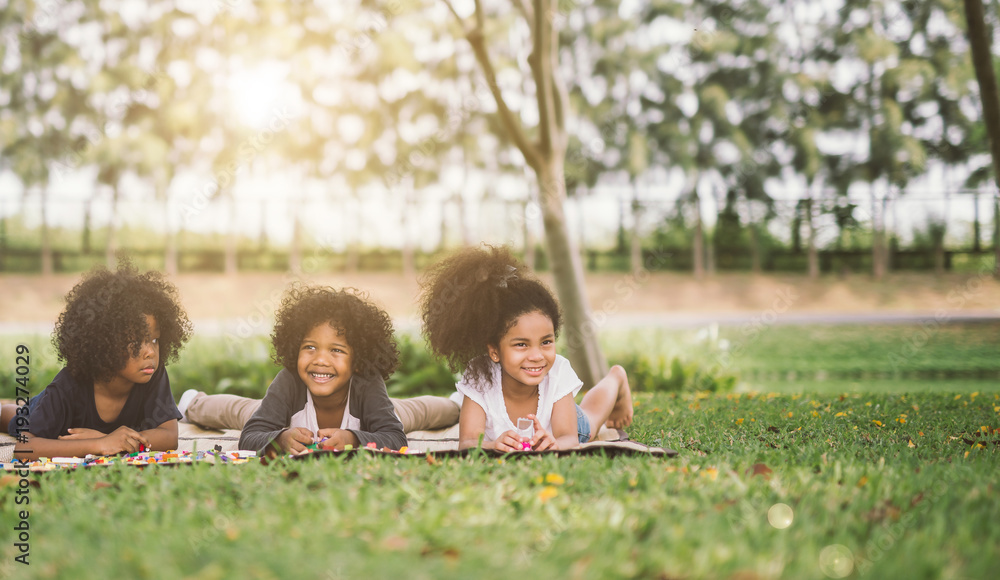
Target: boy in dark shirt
point(115, 335)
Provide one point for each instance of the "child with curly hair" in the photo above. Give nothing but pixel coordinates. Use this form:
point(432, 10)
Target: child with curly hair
point(337, 348)
point(117, 333)
point(489, 317)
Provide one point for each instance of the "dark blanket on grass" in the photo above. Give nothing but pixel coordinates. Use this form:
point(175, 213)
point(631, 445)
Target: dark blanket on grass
point(599, 448)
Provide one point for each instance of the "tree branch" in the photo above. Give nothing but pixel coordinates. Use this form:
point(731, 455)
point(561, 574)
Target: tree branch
point(560, 96)
point(461, 23)
point(541, 68)
point(477, 40)
point(528, 13)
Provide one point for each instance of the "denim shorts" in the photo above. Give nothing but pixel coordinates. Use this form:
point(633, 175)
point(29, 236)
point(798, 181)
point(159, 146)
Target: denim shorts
point(582, 425)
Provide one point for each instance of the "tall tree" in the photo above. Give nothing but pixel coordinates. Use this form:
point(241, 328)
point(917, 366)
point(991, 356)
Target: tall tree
point(545, 154)
point(980, 40)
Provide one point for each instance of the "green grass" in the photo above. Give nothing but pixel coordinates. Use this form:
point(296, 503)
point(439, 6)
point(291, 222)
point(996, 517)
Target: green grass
point(926, 511)
point(824, 358)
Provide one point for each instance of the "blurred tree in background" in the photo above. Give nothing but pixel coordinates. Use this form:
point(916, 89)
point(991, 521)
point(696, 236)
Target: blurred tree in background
point(403, 103)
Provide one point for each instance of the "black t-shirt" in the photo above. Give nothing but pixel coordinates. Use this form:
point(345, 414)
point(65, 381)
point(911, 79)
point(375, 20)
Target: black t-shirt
point(66, 404)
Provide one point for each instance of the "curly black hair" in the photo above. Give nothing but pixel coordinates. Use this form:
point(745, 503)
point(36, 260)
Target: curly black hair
point(104, 323)
point(366, 327)
point(471, 299)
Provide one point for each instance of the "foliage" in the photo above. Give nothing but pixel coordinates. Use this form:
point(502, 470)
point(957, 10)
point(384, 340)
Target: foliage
point(727, 99)
point(419, 373)
point(651, 373)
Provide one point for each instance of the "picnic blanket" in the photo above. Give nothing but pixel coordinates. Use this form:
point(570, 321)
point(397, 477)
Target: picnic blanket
point(192, 438)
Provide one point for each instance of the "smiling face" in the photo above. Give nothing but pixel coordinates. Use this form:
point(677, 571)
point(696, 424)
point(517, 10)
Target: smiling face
point(139, 369)
point(527, 350)
point(326, 361)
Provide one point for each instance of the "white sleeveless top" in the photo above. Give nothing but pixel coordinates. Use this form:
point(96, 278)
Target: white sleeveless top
point(306, 418)
point(560, 381)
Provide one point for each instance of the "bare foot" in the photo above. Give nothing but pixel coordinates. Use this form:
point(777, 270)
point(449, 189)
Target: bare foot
point(621, 414)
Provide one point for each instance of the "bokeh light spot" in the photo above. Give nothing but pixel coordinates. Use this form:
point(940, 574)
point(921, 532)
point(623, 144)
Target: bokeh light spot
point(780, 516)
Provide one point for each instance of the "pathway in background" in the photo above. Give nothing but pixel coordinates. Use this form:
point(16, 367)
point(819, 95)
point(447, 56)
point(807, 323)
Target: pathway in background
point(667, 299)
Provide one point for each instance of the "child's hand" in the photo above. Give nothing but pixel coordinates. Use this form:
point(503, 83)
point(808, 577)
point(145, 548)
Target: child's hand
point(542, 439)
point(82, 433)
point(295, 439)
point(336, 439)
point(508, 441)
point(119, 440)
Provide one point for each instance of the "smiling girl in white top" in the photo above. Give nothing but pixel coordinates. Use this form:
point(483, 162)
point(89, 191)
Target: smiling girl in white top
point(493, 321)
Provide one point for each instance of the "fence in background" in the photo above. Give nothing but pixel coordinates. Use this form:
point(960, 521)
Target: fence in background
point(347, 233)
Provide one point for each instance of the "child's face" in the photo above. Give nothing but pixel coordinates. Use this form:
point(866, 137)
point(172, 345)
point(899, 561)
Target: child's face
point(526, 352)
point(326, 361)
point(139, 369)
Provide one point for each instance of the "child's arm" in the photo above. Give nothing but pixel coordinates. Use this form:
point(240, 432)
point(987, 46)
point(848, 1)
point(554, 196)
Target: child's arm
point(472, 424)
point(379, 423)
point(121, 439)
point(564, 434)
point(162, 437)
point(274, 415)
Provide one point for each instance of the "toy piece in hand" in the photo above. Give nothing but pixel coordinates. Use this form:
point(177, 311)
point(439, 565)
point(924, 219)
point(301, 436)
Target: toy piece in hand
point(526, 429)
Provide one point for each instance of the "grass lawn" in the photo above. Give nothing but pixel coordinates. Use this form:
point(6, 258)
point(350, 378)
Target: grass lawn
point(765, 486)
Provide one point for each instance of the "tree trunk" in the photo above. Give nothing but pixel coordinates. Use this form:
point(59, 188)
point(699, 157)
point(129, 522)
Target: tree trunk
point(47, 262)
point(112, 246)
point(581, 330)
point(635, 253)
point(980, 40)
point(529, 242)
point(878, 266)
point(442, 245)
point(755, 259)
point(170, 251)
point(711, 250)
point(409, 263)
point(170, 263)
point(699, 238)
point(231, 261)
point(88, 208)
point(811, 241)
point(355, 227)
point(295, 251)
point(996, 234)
point(939, 257)
point(463, 227)
point(582, 226)
point(976, 245)
point(620, 238)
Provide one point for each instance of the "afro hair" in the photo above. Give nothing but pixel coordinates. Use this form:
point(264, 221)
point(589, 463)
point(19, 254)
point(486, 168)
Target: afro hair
point(104, 323)
point(366, 327)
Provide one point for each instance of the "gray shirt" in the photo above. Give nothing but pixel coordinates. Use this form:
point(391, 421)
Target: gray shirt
point(368, 401)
